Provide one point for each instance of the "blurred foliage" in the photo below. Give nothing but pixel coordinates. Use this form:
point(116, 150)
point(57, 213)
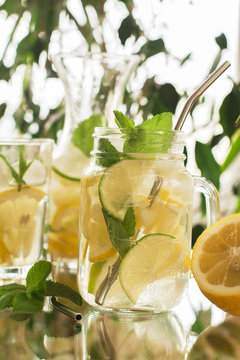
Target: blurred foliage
point(44, 20)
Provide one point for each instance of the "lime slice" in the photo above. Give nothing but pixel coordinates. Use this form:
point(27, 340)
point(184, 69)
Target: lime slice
point(123, 185)
point(153, 258)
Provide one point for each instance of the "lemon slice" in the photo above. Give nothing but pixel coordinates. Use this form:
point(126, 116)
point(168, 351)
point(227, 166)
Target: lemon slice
point(60, 243)
point(20, 218)
point(66, 219)
point(124, 184)
point(216, 263)
point(153, 258)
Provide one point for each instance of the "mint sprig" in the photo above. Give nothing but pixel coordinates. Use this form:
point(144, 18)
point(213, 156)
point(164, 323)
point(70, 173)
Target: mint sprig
point(22, 167)
point(27, 300)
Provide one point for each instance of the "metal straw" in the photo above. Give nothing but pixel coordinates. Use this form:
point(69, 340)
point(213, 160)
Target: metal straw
point(190, 101)
point(65, 309)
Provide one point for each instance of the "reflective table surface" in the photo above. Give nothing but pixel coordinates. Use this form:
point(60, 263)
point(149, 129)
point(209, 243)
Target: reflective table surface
point(110, 335)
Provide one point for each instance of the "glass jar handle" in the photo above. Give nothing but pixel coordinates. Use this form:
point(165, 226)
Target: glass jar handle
point(211, 195)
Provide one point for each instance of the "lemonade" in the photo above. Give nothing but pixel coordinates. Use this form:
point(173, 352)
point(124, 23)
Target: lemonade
point(25, 167)
point(136, 217)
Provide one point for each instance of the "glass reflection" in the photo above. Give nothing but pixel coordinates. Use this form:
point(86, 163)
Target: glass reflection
point(109, 335)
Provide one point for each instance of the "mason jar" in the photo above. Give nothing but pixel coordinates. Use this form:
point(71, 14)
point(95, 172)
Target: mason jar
point(136, 220)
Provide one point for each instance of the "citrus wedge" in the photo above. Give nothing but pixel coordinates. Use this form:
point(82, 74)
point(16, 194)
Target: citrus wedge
point(215, 263)
point(62, 243)
point(20, 218)
point(153, 258)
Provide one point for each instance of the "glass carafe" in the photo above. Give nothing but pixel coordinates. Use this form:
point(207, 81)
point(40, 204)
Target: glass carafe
point(136, 220)
point(94, 85)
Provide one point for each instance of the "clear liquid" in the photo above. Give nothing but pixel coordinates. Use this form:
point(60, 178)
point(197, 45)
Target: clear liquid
point(154, 282)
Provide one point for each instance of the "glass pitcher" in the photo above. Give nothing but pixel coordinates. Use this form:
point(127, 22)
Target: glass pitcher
point(94, 85)
point(136, 220)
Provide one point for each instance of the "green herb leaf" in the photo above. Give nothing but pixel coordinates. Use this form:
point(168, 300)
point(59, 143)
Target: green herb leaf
point(109, 154)
point(160, 122)
point(61, 290)
point(36, 277)
point(7, 299)
point(233, 152)
point(82, 135)
point(120, 231)
point(13, 171)
point(123, 121)
point(140, 140)
point(9, 287)
point(207, 163)
point(23, 304)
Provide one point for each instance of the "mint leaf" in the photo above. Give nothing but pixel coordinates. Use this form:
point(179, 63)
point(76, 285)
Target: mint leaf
point(82, 135)
point(13, 171)
point(23, 304)
point(23, 165)
point(160, 122)
point(123, 121)
point(36, 277)
point(129, 221)
point(109, 155)
point(9, 287)
point(119, 231)
point(7, 299)
point(61, 290)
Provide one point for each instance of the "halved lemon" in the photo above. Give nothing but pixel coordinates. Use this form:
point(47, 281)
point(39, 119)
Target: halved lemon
point(215, 263)
point(153, 258)
point(20, 216)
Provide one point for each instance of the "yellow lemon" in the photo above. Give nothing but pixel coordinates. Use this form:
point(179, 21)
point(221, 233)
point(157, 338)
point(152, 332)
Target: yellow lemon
point(21, 216)
point(215, 263)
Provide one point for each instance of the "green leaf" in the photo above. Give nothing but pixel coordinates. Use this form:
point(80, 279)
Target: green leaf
point(6, 300)
point(153, 47)
point(36, 277)
point(9, 287)
point(15, 175)
point(159, 122)
point(207, 163)
point(2, 109)
point(129, 221)
point(140, 140)
point(233, 152)
point(203, 320)
point(119, 231)
point(123, 121)
point(109, 155)
point(23, 304)
point(61, 290)
point(230, 110)
point(221, 40)
point(128, 28)
point(82, 135)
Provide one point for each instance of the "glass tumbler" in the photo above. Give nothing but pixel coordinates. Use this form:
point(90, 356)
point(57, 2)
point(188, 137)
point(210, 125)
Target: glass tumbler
point(25, 166)
point(136, 220)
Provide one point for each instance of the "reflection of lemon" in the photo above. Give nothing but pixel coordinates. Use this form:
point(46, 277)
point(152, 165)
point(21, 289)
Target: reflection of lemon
point(154, 257)
point(18, 220)
point(216, 263)
point(63, 239)
point(63, 243)
point(66, 219)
